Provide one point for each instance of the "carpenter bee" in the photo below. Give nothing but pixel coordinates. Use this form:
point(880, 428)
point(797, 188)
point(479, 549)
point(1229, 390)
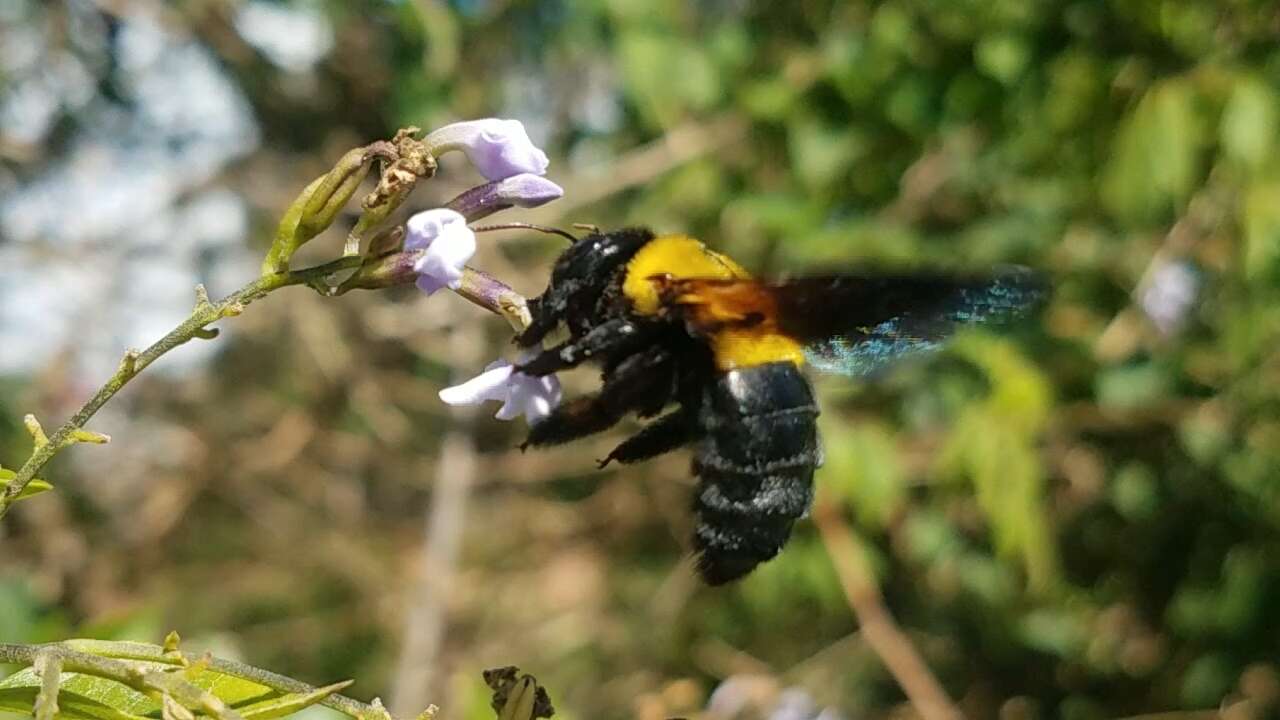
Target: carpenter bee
point(673, 324)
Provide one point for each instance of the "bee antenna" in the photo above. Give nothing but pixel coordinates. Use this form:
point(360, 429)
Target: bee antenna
point(526, 226)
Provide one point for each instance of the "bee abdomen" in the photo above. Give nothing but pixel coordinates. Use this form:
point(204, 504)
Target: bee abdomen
point(755, 467)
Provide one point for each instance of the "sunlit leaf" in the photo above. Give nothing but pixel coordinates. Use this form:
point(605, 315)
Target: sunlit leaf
point(862, 467)
point(668, 75)
point(1002, 56)
point(994, 444)
point(820, 153)
point(33, 488)
point(94, 695)
point(71, 705)
point(1155, 160)
point(1250, 123)
point(96, 698)
point(1261, 221)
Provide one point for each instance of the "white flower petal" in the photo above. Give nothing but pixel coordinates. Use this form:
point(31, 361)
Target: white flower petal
point(510, 410)
point(492, 384)
point(543, 400)
point(520, 394)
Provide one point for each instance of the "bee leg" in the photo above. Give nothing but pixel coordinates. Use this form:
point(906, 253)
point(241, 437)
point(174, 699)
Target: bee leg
point(630, 387)
point(609, 337)
point(663, 435)
point(546, 311)
point(577, 418)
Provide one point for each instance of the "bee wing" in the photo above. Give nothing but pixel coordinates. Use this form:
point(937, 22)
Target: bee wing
point(859, 324)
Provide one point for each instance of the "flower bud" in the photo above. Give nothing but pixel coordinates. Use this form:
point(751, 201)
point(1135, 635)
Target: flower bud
point(384, 271)
point(316, 207)
point(524, 190)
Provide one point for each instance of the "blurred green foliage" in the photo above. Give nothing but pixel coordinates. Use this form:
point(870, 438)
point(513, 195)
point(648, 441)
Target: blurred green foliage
point(1080, 519)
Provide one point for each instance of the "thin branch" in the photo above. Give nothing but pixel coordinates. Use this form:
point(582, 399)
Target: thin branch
point(879, 630)
point(134, 362)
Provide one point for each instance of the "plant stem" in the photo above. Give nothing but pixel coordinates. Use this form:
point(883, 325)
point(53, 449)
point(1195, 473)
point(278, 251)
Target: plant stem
point(134, 362)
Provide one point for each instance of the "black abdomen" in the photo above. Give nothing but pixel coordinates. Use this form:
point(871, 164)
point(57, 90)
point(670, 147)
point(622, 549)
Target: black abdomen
point(754, 466)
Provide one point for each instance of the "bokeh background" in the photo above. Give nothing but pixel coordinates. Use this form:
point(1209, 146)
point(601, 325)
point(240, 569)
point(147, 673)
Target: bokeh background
point(1079, 518)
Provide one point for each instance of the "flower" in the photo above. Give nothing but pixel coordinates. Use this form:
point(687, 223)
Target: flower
point(448, 245)
point(1170, 294)
point(520, 394)
point(525, 190)
point(498, 148)
point(761, 696)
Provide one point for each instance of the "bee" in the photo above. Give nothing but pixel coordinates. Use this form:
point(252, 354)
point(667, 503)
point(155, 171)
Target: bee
point(677, 327)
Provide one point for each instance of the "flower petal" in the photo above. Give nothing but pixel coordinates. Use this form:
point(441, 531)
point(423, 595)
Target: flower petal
point(520, 394)
point(448, 243)
point(498, 148)
point(429, 284)
point(492, 384)
point(539, 404)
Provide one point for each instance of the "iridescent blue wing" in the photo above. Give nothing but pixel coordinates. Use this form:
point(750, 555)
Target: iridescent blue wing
point(857, 325)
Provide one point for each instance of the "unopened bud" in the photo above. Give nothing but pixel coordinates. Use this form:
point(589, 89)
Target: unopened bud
point(524, 190)
point(384, 271)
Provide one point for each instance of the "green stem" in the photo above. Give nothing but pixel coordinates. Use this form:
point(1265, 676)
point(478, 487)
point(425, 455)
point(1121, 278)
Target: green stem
point(117, 661)
point(194, 326)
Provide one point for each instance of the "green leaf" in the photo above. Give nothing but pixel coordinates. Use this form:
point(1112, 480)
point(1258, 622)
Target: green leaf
point(820, 153)
point(1003, 56)
point(79, 696)
point(1261, 221)
point(1156, 157)
point(1131, 386)
point(995, 445)
point(90, 697)
point(862, 465)
point(290, 703)
point(33, 488)
point(71, 705)
point(1055, 631)
point(667, 76)
point(1249, 123)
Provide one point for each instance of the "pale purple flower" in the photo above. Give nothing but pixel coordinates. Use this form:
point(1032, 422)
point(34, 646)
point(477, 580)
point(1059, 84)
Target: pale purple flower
point(520, 394)
point(525, 190)
point(759, 696)
point(448, 244)
point(498, 148)
point(1170, 294)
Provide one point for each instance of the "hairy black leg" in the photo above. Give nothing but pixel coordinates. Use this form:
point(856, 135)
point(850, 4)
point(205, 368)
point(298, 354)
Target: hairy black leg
point(671, 431)
point(577, 418)
point(547, 310)
point(543, 319)
point(613, 336)
point(633, 386)
point(642, 382)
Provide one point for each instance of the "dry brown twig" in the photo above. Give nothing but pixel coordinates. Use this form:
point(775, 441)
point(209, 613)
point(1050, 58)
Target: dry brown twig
point(881, 633)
